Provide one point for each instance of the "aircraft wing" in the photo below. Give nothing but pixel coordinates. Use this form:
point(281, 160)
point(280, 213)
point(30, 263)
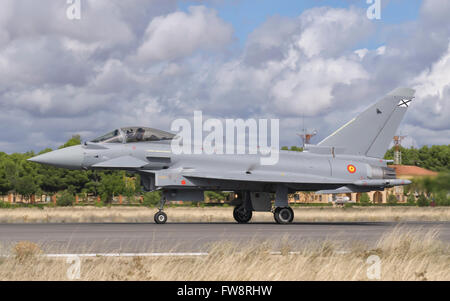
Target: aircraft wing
point(296, 178)
point(272, 177)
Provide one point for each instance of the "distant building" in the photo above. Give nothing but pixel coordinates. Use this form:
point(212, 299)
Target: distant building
point(407, 172)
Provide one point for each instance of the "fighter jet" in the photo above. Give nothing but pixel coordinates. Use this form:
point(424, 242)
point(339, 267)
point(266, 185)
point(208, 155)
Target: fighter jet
point(349, 160)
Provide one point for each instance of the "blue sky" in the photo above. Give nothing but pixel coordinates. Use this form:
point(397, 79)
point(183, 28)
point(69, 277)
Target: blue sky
point(247, 15)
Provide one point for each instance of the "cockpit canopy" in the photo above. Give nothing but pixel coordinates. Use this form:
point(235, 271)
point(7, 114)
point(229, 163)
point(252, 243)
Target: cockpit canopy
point(133, 134)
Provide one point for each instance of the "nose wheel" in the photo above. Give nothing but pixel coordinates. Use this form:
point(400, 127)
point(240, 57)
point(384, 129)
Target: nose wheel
point(160, 216)
point(283, 215)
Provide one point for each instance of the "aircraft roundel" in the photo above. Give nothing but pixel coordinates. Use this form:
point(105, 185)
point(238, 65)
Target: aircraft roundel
point(351, 168)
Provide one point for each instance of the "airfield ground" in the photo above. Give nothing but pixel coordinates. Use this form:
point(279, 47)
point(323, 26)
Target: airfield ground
point(322, 244)
point(403, 255)
point(91, 214)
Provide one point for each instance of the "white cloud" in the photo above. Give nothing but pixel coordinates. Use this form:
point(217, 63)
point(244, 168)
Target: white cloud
point(41, 60)
point(435, 80)
point(289, 82)
point(180, 34)
point(60, 78)
point(362, 52)
point(433, 95)
point(329, 31)
point(381, 50)
point(435, 11)
point(308, 91)
point(5, 16)
point(101, 20)
point(420, 136)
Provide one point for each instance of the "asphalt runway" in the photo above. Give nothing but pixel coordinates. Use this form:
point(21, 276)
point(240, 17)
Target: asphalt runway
point(193, 237)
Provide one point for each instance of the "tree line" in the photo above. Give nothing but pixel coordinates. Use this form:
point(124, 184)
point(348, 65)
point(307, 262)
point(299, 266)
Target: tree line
point(436, 157)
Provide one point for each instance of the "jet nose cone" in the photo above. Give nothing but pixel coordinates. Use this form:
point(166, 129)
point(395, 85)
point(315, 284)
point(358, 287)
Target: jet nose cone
point(69, 157)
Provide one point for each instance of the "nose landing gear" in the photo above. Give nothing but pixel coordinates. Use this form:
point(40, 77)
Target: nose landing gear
point(160, 216)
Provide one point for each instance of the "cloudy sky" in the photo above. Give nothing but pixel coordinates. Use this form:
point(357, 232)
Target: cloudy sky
point(149, 62)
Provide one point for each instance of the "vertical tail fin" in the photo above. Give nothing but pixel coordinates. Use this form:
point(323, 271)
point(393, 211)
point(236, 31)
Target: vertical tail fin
point(370, 133)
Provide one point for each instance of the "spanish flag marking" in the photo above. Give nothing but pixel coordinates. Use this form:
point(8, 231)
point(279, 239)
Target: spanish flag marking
point(351, 168)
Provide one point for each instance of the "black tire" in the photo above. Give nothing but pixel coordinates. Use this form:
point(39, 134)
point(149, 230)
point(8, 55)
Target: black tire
point(242, 215)
point(283, 215)
point(160, 217)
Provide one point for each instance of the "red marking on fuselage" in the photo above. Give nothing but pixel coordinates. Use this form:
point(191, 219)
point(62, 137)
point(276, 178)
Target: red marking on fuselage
point(351, 168)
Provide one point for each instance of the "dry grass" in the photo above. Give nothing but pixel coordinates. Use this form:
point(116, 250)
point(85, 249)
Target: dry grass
point(25, 251)
point(189, 214)
point(404, 256)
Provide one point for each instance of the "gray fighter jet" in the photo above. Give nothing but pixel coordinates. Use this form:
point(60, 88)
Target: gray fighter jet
point(349, 160)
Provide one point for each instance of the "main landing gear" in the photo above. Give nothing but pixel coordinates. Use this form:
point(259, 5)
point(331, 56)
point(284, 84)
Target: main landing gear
point(160, 216)
point(242, 213)
point(248, 202)
point(283, 215)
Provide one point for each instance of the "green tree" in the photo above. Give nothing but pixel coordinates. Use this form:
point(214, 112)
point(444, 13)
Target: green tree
point(436, 157)
point(293, 148)
point(392, 199)
point(296, 148)
point(422, 201)
point(5, 183)
point(130, 188)
point(26, 186)
point(442, 198)
point(365, 199)
point(75, 180)
point(52, 179)
point(152, 199)
point(411, 199)
point(94, 182)
point(137, 184)
point(111, 184)
point(75, 140)
point(441, 182)
point(65, 199)
point(216, 196)
point(11, 173)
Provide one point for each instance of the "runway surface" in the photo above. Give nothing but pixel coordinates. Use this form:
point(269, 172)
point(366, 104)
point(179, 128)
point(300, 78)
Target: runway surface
point(193, 237)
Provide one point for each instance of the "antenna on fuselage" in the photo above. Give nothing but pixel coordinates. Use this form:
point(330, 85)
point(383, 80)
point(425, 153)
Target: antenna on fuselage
point(306, 134)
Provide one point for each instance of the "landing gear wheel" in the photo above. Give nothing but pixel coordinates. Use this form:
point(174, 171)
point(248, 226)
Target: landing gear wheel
point(283, 215)
point(242, 215)
point(160, 217)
